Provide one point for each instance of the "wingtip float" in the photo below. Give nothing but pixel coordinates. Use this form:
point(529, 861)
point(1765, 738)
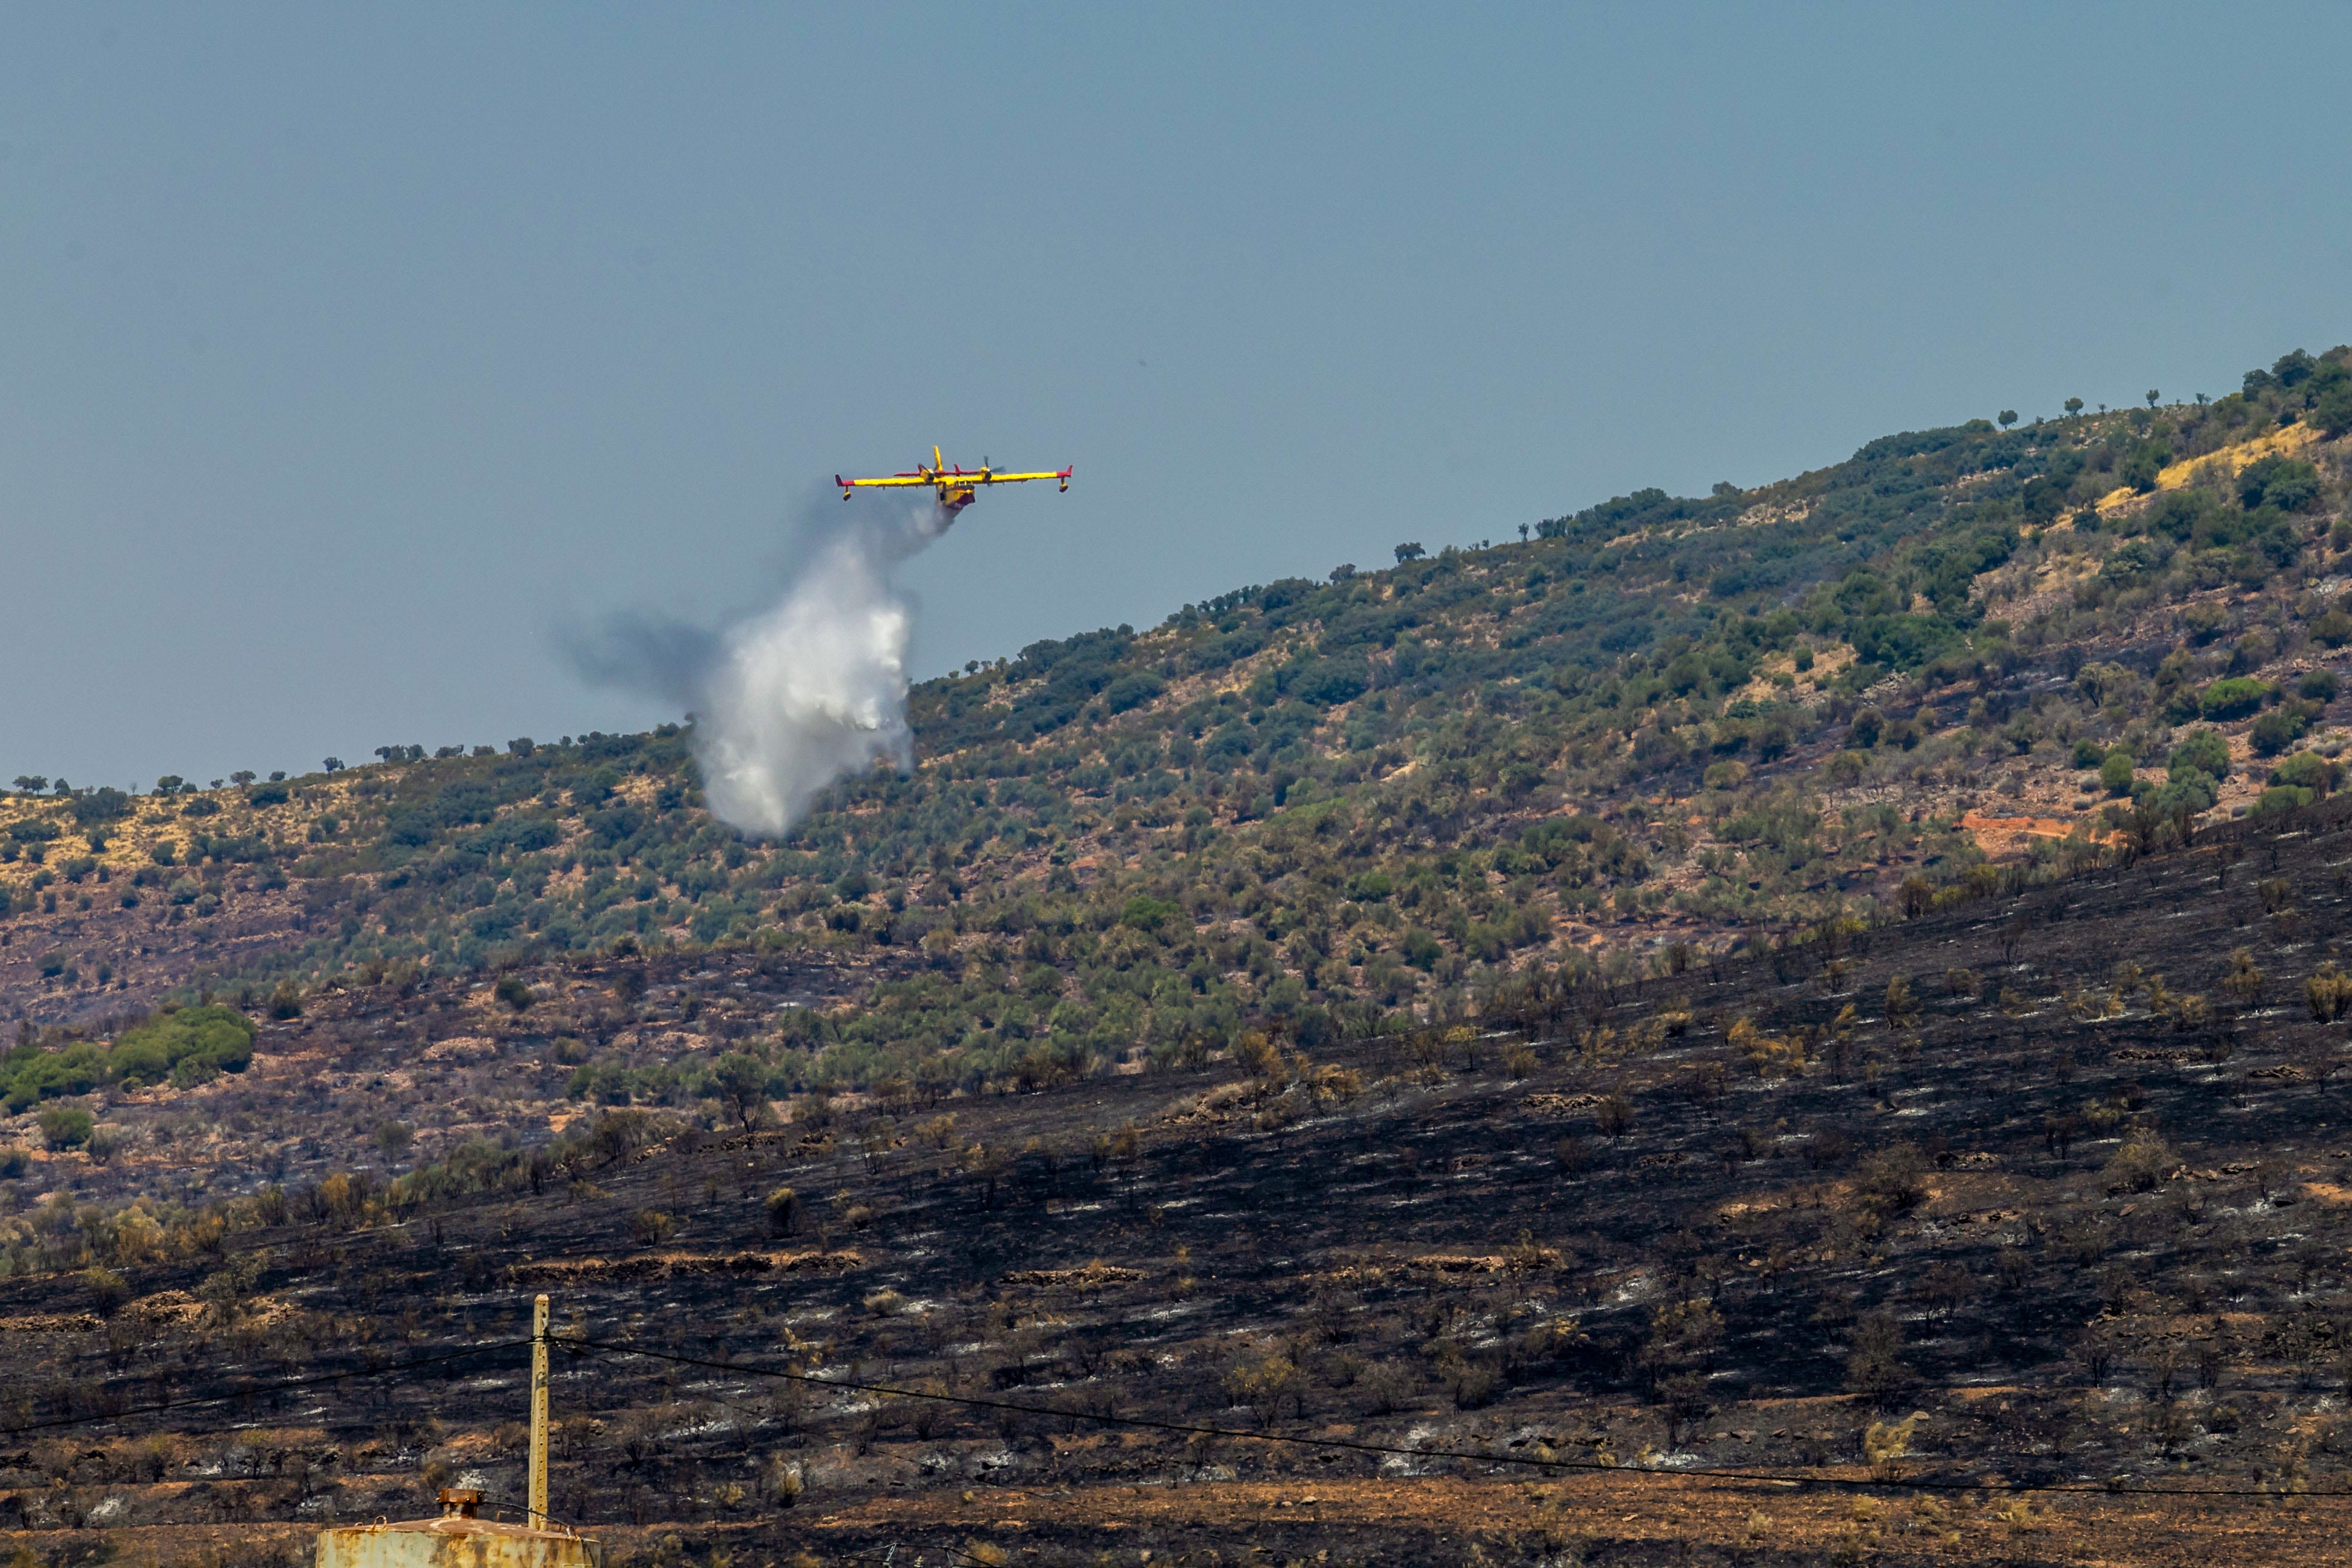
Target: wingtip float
point(957, 487)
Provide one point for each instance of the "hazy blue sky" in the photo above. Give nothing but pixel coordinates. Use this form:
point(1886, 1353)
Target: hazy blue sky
point(347, 354)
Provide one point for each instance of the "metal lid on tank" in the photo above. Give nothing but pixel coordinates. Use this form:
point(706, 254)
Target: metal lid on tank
point(459, 1517)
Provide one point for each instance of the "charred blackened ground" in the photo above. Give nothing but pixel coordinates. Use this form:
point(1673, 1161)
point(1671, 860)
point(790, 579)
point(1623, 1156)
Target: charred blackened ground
point(2053, 1190)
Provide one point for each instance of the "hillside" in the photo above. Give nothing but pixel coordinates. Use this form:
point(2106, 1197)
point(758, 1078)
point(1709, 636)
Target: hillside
point(1579, 1039)
point(1655, 728)
point(1966, 1237)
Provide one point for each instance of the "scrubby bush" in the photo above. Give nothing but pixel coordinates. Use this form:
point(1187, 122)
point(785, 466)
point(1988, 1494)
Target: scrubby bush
point(1891, 1179)
point(2274, 731)
point(101, 806)
point(185, 1047)
point(2234, 697)
point(2142, 1162)
point(107, 1290)
point(2204, 750)
point(2278, 799)
point(784, 1211)
point(2329, 993)
point(66, 1126)
point(2285, 483)
point(1874, 1362)
point(2309, 771)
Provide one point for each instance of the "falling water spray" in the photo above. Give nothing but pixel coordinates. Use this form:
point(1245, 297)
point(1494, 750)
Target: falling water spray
point(791, 698)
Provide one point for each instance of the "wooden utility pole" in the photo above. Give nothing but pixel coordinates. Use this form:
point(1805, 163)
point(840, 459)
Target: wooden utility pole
point(537, 1517)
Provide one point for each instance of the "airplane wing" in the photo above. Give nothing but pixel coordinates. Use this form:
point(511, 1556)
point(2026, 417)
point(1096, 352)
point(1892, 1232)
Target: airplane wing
point(1014, 479)
point(891, 482)
point(945, 479)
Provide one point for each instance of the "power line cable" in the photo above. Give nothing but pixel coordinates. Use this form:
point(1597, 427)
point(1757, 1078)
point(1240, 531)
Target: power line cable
point(1843, 1483)
point(321, 1381)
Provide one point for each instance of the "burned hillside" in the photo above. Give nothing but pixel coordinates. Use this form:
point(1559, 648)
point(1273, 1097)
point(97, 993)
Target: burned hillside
point(2058, 1168)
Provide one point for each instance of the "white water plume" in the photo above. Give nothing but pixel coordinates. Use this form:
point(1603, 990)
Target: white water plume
point(791, 698)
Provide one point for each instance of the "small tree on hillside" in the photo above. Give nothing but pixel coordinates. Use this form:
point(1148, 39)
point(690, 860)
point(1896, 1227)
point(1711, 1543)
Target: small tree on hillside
point(741, 1081)
point(392, 1139)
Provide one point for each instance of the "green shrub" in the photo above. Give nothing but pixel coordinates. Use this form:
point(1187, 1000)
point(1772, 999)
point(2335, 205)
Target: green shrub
point(1846, 768)
point(2187, 789)
point(2316, 685)
point(2333, 413)
point(2286, 483)
point(2147, 460)
point(190, 1046)
point(2274, 731)
point(1132, 691)
point(66, 1126)
point(2309, 771)
point(2203, 750)
point(2234, 697)
point(1144, 912)
point(2279, 798)
point(34, 1075)
point(2115, 771)
point(101, 805)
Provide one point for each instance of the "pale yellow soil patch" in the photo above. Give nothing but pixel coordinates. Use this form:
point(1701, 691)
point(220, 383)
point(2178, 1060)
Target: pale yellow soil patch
point(2225, 463)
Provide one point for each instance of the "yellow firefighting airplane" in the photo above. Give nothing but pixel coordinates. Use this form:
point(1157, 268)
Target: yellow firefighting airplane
point(957, 487)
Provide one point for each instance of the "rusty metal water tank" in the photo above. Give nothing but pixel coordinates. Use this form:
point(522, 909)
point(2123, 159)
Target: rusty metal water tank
point(457, 1539)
